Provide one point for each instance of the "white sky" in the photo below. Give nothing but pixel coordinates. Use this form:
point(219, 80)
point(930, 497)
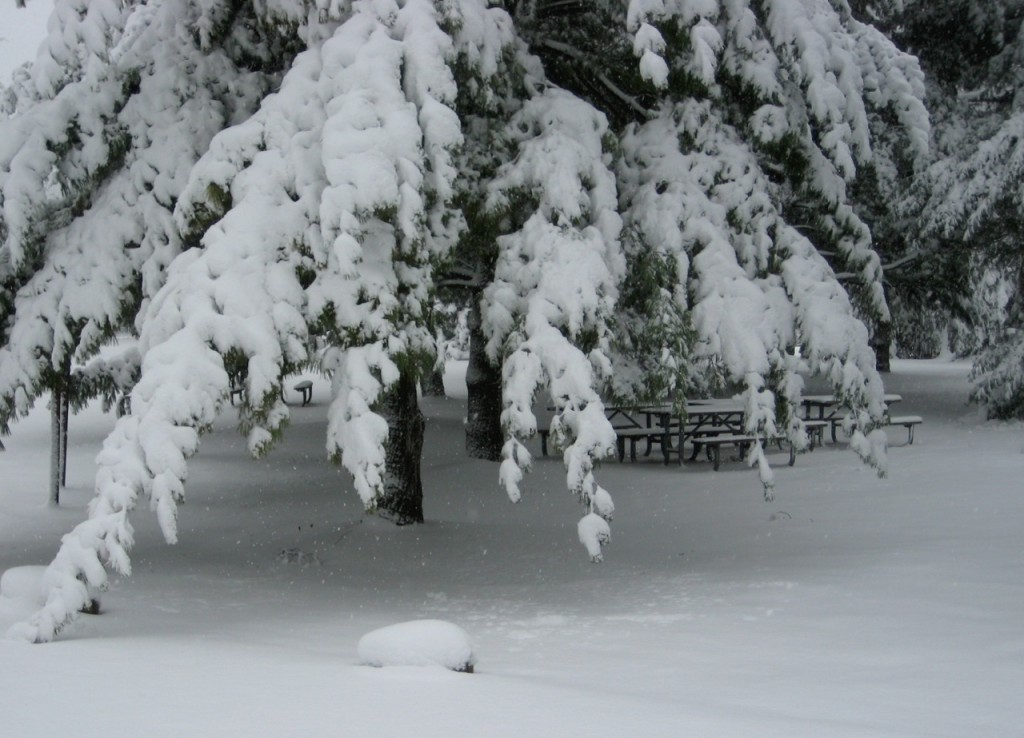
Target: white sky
point(21, 32)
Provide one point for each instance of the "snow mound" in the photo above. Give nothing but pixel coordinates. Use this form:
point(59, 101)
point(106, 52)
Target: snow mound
point(24, 583)
point(418, 643)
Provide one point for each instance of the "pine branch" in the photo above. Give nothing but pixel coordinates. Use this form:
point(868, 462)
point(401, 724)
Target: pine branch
point(903, 261)
point(576, 55)
point(462, 277)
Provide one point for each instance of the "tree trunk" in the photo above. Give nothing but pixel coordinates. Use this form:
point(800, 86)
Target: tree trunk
point(882, 341)
point(56, 404)
point(402, 502)
point(60, 410)
point(484, 437)
point(65, 414)
point(433, 386)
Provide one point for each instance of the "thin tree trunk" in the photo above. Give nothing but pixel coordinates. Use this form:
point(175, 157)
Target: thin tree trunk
point(56, 403)
point(402, 502)
point(484, 437)
point(65, 414)
point(60, 410)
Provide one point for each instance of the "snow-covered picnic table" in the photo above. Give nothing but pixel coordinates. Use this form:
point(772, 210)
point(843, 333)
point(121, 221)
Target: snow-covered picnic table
point(711, 423)
point(824, 410)
point(708, 424)
point(827, 407)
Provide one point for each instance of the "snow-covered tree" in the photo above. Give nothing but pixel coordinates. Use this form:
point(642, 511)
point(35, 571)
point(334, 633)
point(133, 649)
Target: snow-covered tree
point(120, 104)
point(641, 193)
point(752, 123)
point(969, 202)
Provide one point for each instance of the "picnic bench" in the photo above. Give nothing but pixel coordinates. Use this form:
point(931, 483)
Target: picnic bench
point(709, 425)
point(237, 387)
point(828, 407)
point(660, 426)
point(742, 441)
point(816, 431)
point(652, 435)
point(631, 434)
point(711, 417)
point(907, 421)
point(305, 388)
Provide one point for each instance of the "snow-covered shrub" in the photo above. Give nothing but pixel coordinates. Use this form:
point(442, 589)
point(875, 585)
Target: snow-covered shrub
point(418, 643)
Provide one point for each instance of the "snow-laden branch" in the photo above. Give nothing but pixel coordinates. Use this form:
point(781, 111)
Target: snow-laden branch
point(555, 287)
point(757, 285)
point(114, 154)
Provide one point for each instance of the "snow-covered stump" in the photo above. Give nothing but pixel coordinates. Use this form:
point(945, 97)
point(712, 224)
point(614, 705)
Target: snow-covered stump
point(418, 643)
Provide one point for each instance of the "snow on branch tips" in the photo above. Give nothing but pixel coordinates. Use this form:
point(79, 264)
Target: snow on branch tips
point(355, 434)
point(547, 313)
point(757, 286)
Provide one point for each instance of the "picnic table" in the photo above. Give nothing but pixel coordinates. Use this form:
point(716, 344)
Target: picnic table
point(827, 410)
point(708, 423)
point(700, 414)
point(827, 407)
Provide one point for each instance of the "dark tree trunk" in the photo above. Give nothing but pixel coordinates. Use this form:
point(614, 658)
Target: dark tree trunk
point(433, 385)
point(882, 341)
point(56, 403)
point(65, 415)
point(402, 502)
point(484, 437)
point(60, 410)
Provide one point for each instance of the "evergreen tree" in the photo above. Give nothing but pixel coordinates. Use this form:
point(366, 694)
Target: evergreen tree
point(969, 200)
point(99, 142)
point(629, 185)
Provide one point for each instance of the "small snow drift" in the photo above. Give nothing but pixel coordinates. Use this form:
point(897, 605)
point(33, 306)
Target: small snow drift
point(418, 643)
point(27, 583)
point(24, 583)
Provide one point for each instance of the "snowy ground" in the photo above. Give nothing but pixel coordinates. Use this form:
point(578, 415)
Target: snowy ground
point(851, 606)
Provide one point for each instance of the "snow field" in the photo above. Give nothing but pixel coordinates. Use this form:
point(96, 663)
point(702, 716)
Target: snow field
point(851, 606)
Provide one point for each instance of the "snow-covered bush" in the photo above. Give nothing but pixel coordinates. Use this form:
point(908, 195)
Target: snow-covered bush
point(418, 643)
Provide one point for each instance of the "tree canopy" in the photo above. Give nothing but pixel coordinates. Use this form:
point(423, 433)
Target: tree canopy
point(656, 197)
point(957, 220)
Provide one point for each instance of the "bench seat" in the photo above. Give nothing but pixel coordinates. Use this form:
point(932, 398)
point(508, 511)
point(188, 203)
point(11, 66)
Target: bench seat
point(816, 431)
point(907, 421)
point(635, 434)
point(742, 441)
point(305, 388)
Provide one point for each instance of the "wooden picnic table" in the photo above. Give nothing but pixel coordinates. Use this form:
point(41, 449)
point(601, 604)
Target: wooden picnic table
point(827, 407)
point(707, 423)
point(702, 416)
